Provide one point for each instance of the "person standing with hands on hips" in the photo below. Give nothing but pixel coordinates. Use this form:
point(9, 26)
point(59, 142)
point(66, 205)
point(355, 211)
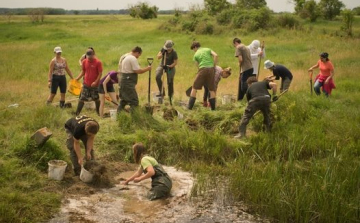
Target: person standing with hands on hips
point(92, 71)
point(57, 77)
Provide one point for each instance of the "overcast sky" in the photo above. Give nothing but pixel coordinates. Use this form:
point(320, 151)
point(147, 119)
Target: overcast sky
point(276, 5)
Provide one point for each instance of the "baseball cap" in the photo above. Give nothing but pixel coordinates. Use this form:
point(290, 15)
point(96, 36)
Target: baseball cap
point(57, 49)
point(268, 64)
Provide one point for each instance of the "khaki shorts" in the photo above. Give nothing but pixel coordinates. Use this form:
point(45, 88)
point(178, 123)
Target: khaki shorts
point(205, 77)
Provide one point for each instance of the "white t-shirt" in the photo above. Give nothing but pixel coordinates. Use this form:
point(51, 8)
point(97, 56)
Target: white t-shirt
point(129, 65)
point(255, 57)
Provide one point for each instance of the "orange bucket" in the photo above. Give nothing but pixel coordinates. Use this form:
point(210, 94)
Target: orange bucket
point(74, 87)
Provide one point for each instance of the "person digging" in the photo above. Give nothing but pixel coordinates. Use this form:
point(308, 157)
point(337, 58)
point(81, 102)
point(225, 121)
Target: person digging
point(81, 128)
point(169, 60)
point(258, 99)
point(130, 69)
point(206, 60)
point(279, 71)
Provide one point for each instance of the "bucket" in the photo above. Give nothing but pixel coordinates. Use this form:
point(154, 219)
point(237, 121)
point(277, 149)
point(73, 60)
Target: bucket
point(74, 87)
point(86, 176)
point(56, 169)
point(226, 99)
point(113, 114)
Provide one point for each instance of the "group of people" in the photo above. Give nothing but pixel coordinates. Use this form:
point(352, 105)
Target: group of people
point(95, 88)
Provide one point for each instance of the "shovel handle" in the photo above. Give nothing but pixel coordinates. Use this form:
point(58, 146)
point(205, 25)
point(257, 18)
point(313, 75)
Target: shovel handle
point(150, 60)
point(310, 75)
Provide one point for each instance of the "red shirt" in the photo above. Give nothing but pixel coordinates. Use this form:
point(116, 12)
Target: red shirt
point(325, 68)
point(92, 70)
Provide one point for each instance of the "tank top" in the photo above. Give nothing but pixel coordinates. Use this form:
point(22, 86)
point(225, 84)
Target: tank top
point(59, 68)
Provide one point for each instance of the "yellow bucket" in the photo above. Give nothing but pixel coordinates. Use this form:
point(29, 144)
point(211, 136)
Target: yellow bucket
point(74, 87)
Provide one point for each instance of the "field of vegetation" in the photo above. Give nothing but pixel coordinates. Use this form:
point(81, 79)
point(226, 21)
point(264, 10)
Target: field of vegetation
point(306, 170)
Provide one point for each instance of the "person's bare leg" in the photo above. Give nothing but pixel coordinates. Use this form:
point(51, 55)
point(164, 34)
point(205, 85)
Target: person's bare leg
point(50, 98)
point(102, 105)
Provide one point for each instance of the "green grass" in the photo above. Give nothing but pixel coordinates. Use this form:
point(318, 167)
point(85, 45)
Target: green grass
point(306, 170)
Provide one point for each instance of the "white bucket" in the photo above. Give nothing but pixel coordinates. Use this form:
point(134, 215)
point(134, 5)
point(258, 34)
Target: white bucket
point(56, 169)
point(85, 175)
point(113, 114)
point(226, 99)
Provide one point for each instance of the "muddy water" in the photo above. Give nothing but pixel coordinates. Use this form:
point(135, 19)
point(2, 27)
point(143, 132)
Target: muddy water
point(128, 204)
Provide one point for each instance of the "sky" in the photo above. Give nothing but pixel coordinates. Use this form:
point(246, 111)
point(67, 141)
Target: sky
point(275, 5)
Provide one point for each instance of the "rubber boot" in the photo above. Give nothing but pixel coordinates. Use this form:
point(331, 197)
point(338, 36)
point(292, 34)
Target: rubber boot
point(191, 102)
point(79, 107)
point(212, 103)
point(62, 104)
point(242, 132)
point(97, 105)
point(170, 100)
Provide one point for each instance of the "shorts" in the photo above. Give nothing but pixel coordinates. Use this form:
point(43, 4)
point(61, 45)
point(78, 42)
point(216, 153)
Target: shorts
point(89, 93)
point(58, 81)
point(109, 89)
point(205, 77)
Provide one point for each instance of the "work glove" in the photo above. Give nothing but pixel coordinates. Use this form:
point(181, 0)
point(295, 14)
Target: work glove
point(275, 98)
point(163, 51)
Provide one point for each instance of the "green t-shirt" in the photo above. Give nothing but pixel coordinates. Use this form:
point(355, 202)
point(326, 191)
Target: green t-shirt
point(147, 161)
point(204, 58)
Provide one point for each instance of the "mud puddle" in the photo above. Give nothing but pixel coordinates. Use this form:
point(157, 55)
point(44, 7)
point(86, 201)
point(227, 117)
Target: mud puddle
point(128, 204)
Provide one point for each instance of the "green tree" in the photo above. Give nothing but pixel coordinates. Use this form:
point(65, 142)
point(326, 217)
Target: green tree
point(330, 8)
point(143, 10)
point(214, 7)
point(251, 4)
point(348, 20)
point(356, 10)
point(299, 6)
point(312, 10)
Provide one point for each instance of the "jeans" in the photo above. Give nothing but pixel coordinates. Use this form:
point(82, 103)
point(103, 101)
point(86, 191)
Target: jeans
point(317, 88)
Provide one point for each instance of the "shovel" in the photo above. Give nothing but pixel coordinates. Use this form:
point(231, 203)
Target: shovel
point(311, 83)
point(258, 73)
point(148, 107)
point(272, 101)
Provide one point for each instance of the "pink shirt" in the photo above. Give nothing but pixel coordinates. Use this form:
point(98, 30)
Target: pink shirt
point(325, 68)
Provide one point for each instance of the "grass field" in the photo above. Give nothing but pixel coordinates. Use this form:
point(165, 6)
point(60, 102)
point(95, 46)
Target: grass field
point(306, 170)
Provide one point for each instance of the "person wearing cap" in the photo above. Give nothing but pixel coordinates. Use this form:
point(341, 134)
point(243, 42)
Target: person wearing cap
point(206, 60)
point(169, 60)
point(80, 128)
point(256, 52)
point(219, 73)
point(91, 71)
point(258, 98)
point(83, 57)
point(57, 77)
point(130, 69)
point(246, 67)
point(324, 79)
point(278, 71)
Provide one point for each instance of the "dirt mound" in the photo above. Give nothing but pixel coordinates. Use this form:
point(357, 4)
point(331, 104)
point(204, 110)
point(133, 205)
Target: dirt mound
point(169, 114)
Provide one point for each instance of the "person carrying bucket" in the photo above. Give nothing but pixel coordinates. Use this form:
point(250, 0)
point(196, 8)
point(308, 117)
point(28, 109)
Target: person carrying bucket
point(161, 183)
point(169, 60)
point(81, 128)
point(57, 77)
point(278, 71)
point(130, 69)
point(92, 71)
point(106, 87)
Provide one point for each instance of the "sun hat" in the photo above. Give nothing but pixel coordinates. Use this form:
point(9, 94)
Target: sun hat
point(57, 49)
point(168, 44)
point(268, 64)
point(255, 44)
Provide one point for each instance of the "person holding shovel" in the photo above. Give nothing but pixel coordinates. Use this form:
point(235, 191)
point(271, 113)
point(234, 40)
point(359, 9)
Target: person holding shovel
point(258, 99)
point(92, 71)
point(106, 87)
point(278, 71)
point(256, 52)
point(169, 60)
point(161, 183)
point(57, 77)
point(206, 60)
point(80, 128)
point(324, 79)
point(219, 73)
point(246, 67)
point(130, 69)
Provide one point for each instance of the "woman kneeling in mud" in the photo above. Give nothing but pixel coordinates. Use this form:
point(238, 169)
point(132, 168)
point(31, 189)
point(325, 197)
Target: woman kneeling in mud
point(161, 183)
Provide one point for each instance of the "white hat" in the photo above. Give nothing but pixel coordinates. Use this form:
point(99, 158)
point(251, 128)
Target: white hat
point(268, 64)
point(57, 49)
point(168, 44)
point(255, 44)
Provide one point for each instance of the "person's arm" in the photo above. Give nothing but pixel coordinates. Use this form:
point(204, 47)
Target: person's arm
point(81, 59)
point(173, 64)
point(78, 150)
point(135, 175)
point(150, 172)
point(240, 59)
point(82, 73)
point(89, 145)
point(313, 67)
point(107, 79)
point(159, 55)
point(68, 70)
point(143, 70)
point(51, 69)
point(215, 57)
point(332, 72)
point(100, 70)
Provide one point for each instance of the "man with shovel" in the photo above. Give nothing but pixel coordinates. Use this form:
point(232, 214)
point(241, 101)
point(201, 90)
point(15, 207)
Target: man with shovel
point(258, 99)
point(278, 71)
point(130, 69)
point(81, 128)
point(169, 60)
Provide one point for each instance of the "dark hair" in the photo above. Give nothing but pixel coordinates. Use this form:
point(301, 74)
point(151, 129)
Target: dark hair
point(91, 127)
point(251, 80)
point(195, 44)
point(137, 49)
point(236, 40)
point(325, 56)
point(91, 48)
point(139, 150)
